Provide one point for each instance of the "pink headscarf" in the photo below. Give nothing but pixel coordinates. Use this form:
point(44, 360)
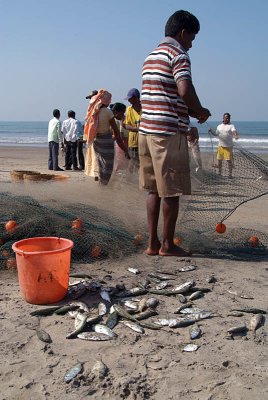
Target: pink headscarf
point(92, 117)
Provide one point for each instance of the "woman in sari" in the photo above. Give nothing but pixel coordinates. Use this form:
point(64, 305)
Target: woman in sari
point(100, 132)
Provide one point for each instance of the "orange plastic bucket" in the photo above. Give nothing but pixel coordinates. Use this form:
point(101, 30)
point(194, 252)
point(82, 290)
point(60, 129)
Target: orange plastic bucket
point(43, 268)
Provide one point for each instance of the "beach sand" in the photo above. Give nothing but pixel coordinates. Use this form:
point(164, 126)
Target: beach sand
point(141, 366)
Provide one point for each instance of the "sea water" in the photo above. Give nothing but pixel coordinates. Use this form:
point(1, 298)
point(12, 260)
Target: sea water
point(253, 135)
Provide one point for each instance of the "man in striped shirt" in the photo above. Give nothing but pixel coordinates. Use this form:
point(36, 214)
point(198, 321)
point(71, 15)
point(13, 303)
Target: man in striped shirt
point(168, 99)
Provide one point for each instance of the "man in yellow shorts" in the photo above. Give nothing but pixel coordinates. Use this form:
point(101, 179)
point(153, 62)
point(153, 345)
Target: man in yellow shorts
point(226, 132)
point(131, 123)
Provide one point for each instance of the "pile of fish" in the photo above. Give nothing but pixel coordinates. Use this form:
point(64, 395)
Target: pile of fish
point(136, 308)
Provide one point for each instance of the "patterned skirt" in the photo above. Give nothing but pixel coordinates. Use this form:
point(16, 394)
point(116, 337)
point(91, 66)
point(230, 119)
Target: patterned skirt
point(104, 150)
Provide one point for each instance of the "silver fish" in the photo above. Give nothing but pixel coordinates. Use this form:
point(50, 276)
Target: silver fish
point(190, 347)
point(237, 329)
point(43, 336)
point(195, 332)
point(182, 299)
point(123, 313)
point(130, 304)
point(132, 325)
point(79, 327)
point(211, 279)
point(162, 285)
point(142, 305)
point(250, 310)
point(83, 306)
point(79, 275)
point(100, 369)
point(187, 268)
point(73, 372)
point(77, 282)
point(149, 325)
point(93, 336)
point(136, 291)
point(185, 306)
point(73, 314)
point(195, 295)
point(45, 311)
point(192, 310)
point(161, 277)
point(152, 302)
point(105, 295)
point(99, 328)
point(235, 314)
point(67, 308)
point(145, 314)
point(91, 319)
point(161, 321)
point(184, 288)
point(133, 270)
point(79, 317)
point(102, 309)
point(76, 291)
point(201, 315)
point(181, 322)
point(255, 322)
point(112, 320)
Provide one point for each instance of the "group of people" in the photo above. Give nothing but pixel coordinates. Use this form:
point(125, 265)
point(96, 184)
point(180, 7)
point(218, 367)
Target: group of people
point(68, 135)
point(155, 131)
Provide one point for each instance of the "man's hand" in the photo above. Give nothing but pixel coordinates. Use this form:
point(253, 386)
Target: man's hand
point(203, 115)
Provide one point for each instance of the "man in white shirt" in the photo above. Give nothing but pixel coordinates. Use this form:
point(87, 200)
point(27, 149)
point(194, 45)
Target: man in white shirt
point(226, 132)
point(72, 131)
point(54, 138)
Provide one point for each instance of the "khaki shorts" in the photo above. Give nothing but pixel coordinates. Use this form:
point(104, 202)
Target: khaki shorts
point(224, 153)
point(164, 164)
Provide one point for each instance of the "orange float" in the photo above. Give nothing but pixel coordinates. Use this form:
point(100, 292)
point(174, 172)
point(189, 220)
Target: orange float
point(5, 253)
point(254, 241)
point(11, 263)
point(220, 228)
point(77, 224)
point(11, 226)
point(177, 241)
point(138, 239)
point(96, 251)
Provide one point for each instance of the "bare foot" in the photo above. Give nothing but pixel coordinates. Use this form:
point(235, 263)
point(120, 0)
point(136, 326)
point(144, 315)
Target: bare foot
point(175, 251)
point(151, 252)
point(153, 248)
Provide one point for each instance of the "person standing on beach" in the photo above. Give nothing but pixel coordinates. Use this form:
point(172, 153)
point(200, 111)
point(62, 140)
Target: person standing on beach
point(194, 147)
point(120, 161)
point(131, 123)
point(72, 131)
point(101, 131)
point(226, 132)
point(168, 99)
point(54, 138)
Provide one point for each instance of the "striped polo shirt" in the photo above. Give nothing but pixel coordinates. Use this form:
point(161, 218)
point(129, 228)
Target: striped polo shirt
point(163, 110)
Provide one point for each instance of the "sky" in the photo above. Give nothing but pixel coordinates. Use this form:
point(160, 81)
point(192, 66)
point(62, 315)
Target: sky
point(54, 52)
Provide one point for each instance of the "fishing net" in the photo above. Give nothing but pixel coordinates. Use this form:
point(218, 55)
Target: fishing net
point(215, 198)
point(114, 215)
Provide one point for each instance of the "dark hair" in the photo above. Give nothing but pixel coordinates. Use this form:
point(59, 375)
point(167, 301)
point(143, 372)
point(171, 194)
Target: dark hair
point(229, 115)
point(181, 20)
point(117, 107)
point(71, 114)
point(56, 113)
